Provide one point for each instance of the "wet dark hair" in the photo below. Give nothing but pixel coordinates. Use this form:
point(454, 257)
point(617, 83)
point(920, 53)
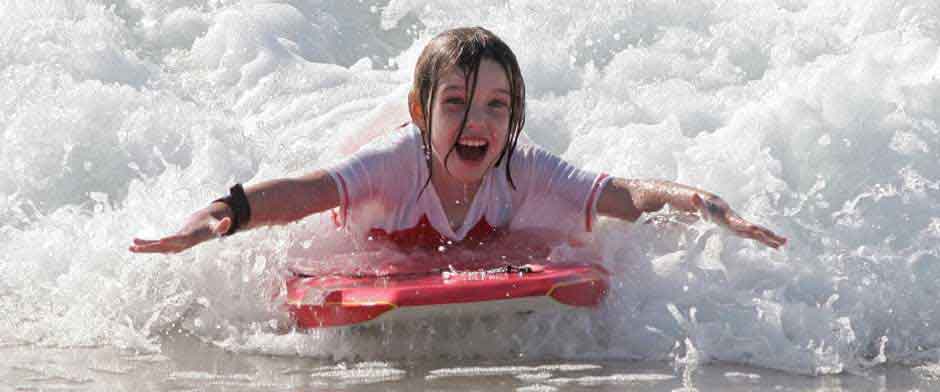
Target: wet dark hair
point(464, 48)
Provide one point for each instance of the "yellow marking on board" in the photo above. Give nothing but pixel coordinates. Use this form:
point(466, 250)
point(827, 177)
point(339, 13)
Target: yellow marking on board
point(300, 303)
point(394, 306)
point(566, 284)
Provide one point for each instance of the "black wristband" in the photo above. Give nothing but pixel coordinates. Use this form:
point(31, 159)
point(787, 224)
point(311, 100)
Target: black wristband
point(237, 201)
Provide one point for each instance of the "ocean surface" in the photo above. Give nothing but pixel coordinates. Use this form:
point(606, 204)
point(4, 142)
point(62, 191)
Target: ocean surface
point(818, 119)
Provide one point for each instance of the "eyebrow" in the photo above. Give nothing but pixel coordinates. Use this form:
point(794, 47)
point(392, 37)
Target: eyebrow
point(459, 87)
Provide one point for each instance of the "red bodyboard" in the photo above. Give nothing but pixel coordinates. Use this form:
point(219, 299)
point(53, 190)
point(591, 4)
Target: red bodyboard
point(333, 301)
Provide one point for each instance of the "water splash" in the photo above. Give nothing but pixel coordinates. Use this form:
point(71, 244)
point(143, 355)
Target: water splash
point(817, 118)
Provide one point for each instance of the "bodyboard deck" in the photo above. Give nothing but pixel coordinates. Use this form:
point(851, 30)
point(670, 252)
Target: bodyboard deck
point(334, 301)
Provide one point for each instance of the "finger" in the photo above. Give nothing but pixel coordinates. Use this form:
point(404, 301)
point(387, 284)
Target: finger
point(751, 231)
point(222, 227)
point(178, 242)
point(769, 238)
point(766, 240)
point(758, 233)
point(146, 246)
point(780, 241)
point(152, 248)
point(172, 244)
point(699, 204)
point(778, 238)
point(147, 249)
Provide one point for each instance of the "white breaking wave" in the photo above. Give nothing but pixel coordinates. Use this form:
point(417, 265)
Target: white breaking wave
point(816, 118)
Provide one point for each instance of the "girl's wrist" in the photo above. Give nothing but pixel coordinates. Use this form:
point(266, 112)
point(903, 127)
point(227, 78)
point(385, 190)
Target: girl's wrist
point(239, 210)
point(219, 210)
point(716, 209)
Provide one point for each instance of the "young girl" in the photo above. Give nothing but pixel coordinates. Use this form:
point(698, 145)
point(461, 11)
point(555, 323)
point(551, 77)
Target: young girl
point(456, 175)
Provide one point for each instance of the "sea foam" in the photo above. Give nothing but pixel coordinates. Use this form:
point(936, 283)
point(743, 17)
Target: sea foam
point(815, 118)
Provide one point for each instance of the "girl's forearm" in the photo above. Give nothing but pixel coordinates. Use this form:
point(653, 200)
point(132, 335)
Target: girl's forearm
point(628, 199)
point(270, 202)
point(652, 195)
point(282, 201)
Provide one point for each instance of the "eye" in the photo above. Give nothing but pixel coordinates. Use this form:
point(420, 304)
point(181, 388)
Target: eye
point(454, 101)
point(498, 103)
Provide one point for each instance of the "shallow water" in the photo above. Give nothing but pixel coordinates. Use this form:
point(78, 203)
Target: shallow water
point(816, 118)
point(187, 364)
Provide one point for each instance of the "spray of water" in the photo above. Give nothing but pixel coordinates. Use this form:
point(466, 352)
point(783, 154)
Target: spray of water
point(817, 118)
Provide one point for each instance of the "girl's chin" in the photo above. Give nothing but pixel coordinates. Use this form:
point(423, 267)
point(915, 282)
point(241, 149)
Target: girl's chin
point(468, 171)
point(468, 177)
point(471, 171)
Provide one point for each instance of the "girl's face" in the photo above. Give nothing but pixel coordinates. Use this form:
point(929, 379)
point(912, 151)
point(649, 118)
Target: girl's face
point(484, 136)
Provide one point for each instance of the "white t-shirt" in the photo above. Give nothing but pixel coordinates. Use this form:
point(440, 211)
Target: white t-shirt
point(381, 194)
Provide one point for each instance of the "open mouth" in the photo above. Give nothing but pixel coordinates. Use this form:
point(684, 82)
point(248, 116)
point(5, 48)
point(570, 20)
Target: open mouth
point(472, 150)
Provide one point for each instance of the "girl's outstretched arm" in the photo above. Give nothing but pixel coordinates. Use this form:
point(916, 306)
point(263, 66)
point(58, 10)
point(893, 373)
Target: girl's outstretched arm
point(628, 199)
point(272, 202)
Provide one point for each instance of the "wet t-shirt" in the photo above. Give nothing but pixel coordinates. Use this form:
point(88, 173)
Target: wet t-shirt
point(385, 194)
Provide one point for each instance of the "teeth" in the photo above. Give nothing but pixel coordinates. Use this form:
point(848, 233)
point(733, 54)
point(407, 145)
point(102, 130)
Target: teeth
point(472, 142)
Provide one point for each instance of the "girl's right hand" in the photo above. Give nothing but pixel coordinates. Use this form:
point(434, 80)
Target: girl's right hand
point(199, 227)
point(716, 210)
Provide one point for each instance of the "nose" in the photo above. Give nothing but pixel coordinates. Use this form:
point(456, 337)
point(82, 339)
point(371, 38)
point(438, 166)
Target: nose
point(476, 117)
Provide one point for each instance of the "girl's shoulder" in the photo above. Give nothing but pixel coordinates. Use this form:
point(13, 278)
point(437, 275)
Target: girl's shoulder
point(405, 139)
point(528, 154)
point(380, 165)
point(404, 136)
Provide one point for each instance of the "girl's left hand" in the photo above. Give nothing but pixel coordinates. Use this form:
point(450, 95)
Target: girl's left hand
point(716, 210)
